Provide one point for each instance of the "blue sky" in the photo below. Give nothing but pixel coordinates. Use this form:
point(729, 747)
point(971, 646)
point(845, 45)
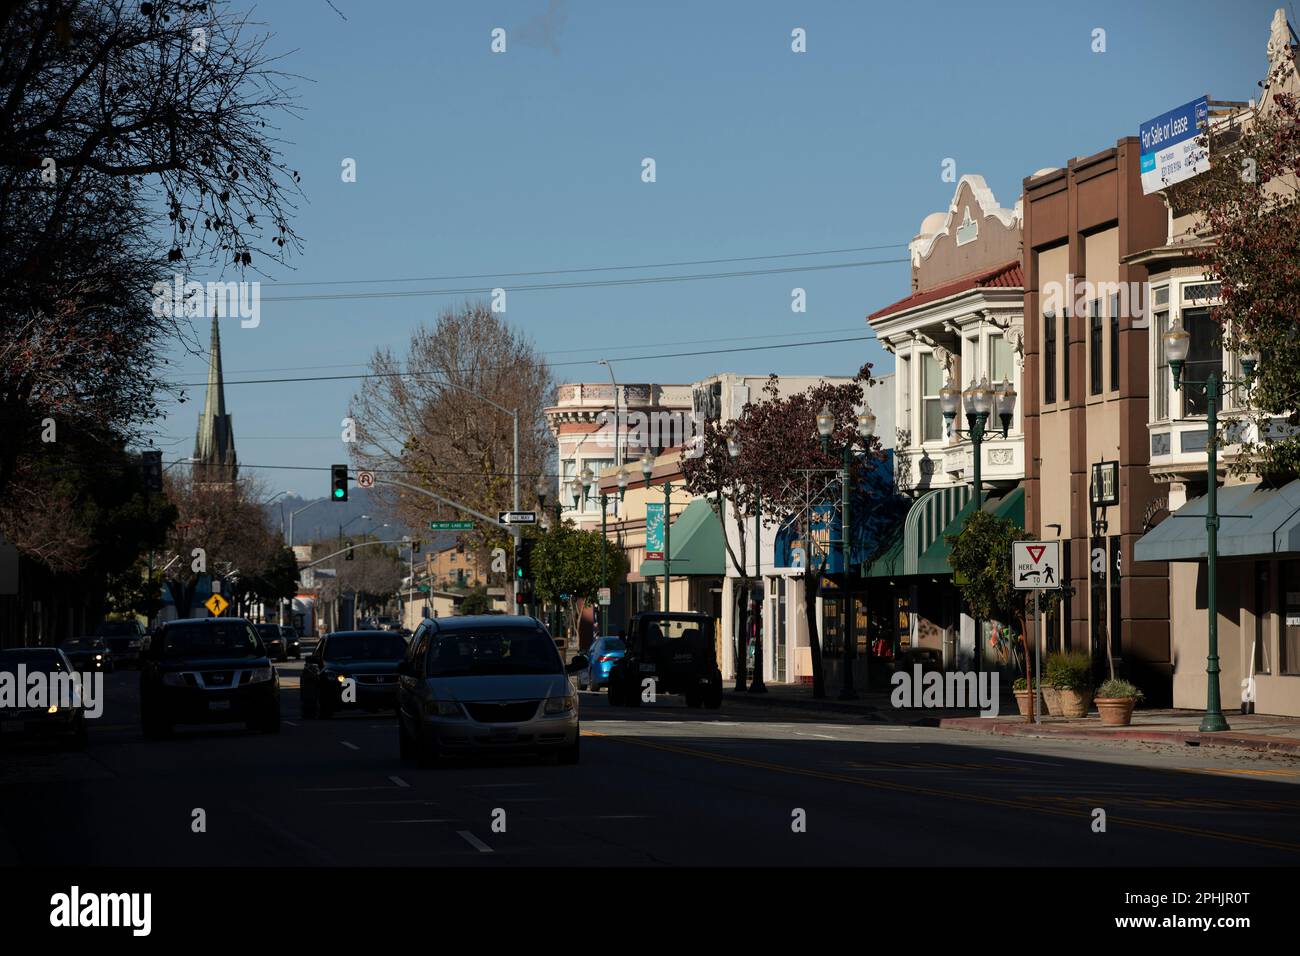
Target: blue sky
point(470, 162)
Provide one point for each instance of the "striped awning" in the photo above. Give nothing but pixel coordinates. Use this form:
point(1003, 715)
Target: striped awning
point(926, 521)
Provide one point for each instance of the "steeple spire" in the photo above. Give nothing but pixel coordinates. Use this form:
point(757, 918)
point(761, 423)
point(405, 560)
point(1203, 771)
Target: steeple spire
point(214, 445)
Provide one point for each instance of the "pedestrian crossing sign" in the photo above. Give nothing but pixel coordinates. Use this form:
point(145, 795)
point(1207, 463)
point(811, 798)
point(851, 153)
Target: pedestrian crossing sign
point(216, 604)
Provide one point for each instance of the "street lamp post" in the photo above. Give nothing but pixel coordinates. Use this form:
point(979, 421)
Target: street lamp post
point(588, 479)
point(866, 427)
point(978, 400)
point(1177, 344)
point(756, 686)
point(647, 470)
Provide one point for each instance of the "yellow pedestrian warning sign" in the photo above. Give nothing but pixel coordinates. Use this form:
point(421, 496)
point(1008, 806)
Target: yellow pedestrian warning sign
point(216, 604)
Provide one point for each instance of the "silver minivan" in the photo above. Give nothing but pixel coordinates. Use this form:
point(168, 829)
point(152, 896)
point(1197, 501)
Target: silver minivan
point(486, 683)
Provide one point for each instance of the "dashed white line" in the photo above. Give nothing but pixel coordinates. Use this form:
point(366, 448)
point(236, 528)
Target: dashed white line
point(350, 746)
point(474, 841)
point(399, 781)
point(821, 736)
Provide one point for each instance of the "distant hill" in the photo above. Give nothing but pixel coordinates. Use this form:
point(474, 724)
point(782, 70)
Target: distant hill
point(324, 517)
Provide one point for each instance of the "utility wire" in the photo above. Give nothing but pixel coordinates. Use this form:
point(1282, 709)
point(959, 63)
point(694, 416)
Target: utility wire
point(553, 272)
point(489, 368)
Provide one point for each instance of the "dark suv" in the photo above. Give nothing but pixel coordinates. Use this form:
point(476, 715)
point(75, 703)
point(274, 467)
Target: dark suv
point(368, 659)
point(676, 652)
point(207, 670)
point(124, 640)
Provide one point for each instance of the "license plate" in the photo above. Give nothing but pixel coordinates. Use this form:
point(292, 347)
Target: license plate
point(218, 705)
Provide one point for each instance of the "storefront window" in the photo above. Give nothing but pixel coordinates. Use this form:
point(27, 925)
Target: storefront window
point(1162, 363)
point(832, 628)
point(1289, 608)
point(1205, 358)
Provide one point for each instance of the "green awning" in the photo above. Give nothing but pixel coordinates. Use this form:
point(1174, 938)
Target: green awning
point(1011, 505)
point(1252, 521)
point(889, 563)
point(924, 523)
point(696, 545)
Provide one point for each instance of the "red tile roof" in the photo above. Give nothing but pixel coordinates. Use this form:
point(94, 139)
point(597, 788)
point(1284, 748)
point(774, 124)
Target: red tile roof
point(1009, 275)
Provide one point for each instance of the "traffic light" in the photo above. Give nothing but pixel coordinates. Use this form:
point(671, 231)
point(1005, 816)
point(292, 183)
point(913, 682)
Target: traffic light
point(339, 482)
point(348, 556)
point(524, 560)
point(151, 466)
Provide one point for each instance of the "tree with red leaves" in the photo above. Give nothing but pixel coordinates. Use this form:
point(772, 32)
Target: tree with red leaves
point(1249, 209)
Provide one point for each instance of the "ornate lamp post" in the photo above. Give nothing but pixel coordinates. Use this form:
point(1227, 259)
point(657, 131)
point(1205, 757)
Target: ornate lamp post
point(978, 400)
point(1177, 344)
point(866, 427)
point(588, 479)
point(647, 471)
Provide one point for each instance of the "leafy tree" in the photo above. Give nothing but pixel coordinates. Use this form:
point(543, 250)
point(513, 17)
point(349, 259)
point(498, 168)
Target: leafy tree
point(476, 601)
point(114, 115)
point(980, 557)
point(1249, 213)
point(566, 568)
point(784, 473)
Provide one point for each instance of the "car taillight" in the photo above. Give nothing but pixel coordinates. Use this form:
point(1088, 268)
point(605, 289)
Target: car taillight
point(605, 657)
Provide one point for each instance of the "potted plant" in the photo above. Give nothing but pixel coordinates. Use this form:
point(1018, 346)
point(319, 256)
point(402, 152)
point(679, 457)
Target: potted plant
point(1071, 677)
point(1115, 701)
point(1024, 697)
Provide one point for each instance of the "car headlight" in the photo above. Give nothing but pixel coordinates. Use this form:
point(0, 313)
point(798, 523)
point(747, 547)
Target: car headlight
point(559, 705)
point(446, 708)
point(99, 657)
point(259, 674)
point(175, 680)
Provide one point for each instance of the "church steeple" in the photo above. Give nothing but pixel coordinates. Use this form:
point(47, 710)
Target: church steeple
point(214, 445)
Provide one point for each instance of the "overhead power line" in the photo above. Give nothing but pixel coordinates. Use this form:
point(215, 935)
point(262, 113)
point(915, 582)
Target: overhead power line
point(488, 368)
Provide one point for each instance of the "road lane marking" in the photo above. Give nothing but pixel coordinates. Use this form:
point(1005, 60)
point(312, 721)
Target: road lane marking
point(431, 820)
point(474, 841)
point(1040, 763)
point(350, 746)
point(949, 794)
point(339, 789)
point(291, 723)
point(821, 736)
point(399, 781)
point(1241, 770)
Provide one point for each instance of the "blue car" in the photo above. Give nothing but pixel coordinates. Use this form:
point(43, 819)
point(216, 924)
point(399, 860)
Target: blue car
point(601, 656)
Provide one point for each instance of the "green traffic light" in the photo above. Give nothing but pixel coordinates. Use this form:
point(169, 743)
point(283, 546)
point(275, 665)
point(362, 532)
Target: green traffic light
point(338, 492)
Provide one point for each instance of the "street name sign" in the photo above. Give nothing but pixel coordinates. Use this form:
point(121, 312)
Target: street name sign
point(451, 526)
point(1035, 565)
point(216, 604)
point(516, 517)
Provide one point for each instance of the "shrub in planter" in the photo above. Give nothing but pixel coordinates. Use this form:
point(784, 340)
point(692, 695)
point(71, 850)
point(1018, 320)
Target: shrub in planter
point(1071, 677)
point(1115, 701)
point(1025, 696)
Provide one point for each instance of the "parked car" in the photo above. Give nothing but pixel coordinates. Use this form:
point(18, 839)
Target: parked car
point(208, 670)
point(124, 640)
point(486, 683)
point(88, 653)
point(52, 720)
point(292, 643)
point(274, 641)
point(602, 654)
point(368, 658)
point(675, 651)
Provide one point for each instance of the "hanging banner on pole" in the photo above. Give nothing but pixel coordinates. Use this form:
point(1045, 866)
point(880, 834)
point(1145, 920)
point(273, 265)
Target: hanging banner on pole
point(654, 531)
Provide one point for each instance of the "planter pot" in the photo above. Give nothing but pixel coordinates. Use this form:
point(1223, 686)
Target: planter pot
point(1051, 701)
point(1025, 701)
point(1074, 703)
point(1115, 711)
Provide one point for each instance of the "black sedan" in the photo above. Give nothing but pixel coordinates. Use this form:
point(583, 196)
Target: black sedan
point(352, 669)
point(55, 711)
point(274, 640)
point(88, 653)
point(207, 670)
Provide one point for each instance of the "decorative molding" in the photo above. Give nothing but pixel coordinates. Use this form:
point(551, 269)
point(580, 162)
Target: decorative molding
point(1001, 456)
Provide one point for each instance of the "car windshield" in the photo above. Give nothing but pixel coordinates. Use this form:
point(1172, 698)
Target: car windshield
point(227, 639)
point(669, 629)
point(118, 629)
point(268, 631)
point(612, 644)
point(501, 650)
point(82, 644)
point(364, 647)
point(43, 658)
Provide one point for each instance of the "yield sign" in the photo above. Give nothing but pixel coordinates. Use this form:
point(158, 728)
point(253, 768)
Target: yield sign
point(1035, 565)
point(1036, 551)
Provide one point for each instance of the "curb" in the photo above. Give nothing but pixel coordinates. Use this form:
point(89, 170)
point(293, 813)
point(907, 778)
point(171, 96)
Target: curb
point(868, 712)
point(1279, 745)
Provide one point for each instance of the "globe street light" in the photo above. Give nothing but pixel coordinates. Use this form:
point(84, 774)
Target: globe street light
point(1178, 344)
point(978, 400)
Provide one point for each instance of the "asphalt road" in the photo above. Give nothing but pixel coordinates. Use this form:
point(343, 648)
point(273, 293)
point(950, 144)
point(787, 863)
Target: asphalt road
point(658, 785)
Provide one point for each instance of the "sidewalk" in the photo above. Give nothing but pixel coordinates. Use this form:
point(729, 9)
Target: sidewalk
point(1252, 732)
point(1256, 732)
